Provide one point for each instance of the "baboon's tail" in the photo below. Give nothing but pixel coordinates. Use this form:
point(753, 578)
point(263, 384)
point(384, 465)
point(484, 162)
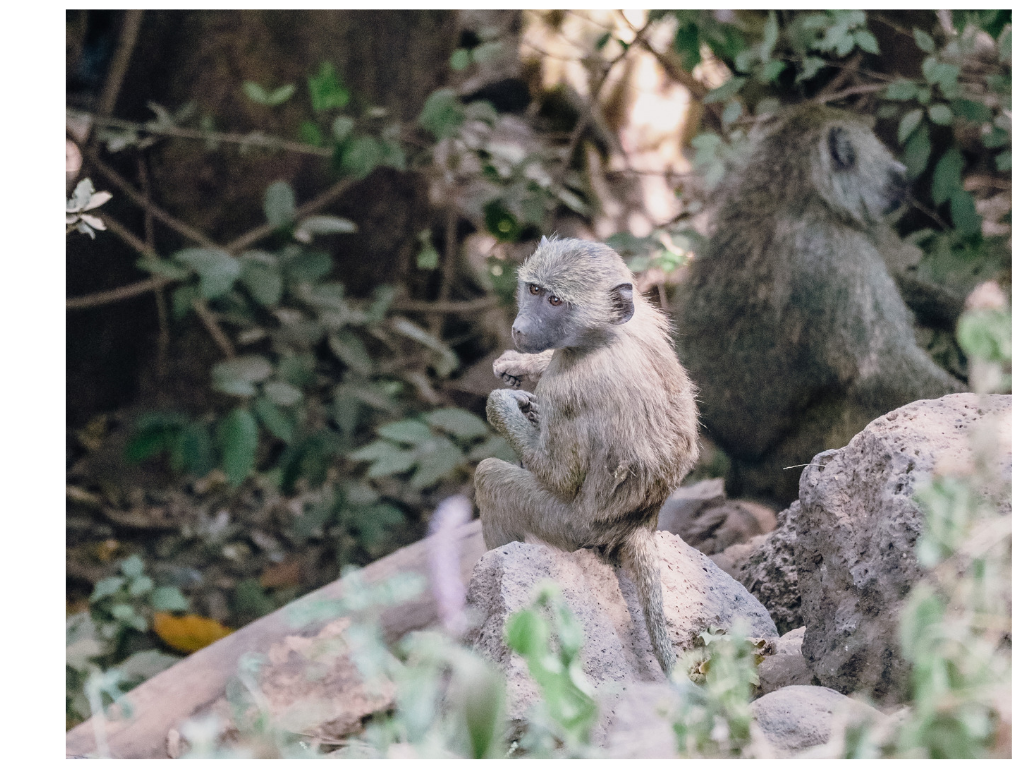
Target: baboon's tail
point(639, 553)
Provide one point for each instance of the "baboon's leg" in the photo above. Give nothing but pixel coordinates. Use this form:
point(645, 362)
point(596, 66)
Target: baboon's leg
point(512, 504)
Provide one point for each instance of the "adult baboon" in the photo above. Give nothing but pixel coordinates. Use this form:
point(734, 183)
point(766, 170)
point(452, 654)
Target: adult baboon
point(609, 432)
point(790, 324)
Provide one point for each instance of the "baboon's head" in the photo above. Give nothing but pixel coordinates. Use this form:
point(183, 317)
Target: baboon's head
point(571, 294)
point(854, 172)
point(818, 151)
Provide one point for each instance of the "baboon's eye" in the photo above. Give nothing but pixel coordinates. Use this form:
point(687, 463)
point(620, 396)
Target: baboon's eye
point(554, 301)
point(534, 289)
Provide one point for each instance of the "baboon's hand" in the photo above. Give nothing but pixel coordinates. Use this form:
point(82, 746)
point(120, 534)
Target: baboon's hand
point(527, 403)
point(510, 369)
point(514, 368)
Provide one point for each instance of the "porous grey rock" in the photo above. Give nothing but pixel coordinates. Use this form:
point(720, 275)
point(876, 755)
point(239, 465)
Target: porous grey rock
point(734, 557)
point(702, 517)
point(685, 503)
point(857, 525)
point(798, 717)
point(617, 649)
point(787, 666)
point(639, 722)
point(771, 570)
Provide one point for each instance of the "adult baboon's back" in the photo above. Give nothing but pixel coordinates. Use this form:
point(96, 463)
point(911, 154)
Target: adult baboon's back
point(790, 324)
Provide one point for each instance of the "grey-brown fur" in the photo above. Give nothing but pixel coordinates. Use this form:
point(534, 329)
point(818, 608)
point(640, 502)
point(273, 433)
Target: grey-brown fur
point(790, 324)
point(609, 432)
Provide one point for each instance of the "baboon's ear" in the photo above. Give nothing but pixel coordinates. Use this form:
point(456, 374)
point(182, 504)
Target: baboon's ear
point(543, 241)
point(840, 149)
point(622, 303)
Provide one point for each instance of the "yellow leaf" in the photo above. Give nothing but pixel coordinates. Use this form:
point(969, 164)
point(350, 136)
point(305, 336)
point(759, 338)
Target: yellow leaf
point(188, 633)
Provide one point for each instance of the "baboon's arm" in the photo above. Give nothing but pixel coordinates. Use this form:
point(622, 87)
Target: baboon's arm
point(515, 367)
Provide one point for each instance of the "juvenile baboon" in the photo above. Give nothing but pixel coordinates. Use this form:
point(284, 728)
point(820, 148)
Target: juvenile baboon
point(610, 430)
point(789, 323)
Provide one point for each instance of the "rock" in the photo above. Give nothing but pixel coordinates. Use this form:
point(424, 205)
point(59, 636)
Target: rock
point(638, 722)
point(685, 503)
point(798, 717)
point(702, 517)
point(787, 666)
point(733, 558)
point(617, 649)
point(859, 524)
point(770, 571)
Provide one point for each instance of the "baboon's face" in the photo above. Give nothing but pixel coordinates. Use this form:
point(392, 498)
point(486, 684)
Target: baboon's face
point(543, 321)
point(861, 175)
point(547, 321)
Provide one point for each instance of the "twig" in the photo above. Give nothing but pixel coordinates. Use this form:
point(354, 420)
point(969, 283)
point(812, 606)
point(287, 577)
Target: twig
point(249, 140)
point(446, 307)
point(824, 98)
point(119, 64)
point(183, 229)
point(324, 198)
point(436, 324)
point(585, 119)
point(119, 294)
point(842, 78)
point(163, 323)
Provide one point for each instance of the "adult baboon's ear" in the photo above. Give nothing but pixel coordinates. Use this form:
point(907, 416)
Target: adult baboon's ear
point(622, 303)
point(840, 149)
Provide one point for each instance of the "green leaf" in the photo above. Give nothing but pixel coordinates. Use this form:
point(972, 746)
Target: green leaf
point(140, 586)
point(946, 178)
point(1004, 161)
point(237, 436)
point(687, 45)
point(263, 281)
point(106, 587)
point(448, 361)
point(350, 349)
point(376, 523)
point(771, 71)
point(460, 60)
point(811, 66)
point(182, 300)
point(128, 616)
point(975, 111)
point(277, 422)
point(964, 213)
point(322, 224)
point(997, 137)
point(279, 204)
point(255, 92)
point(217, 269)
point(395, 462)
point(326, 91)
point(940, 114)
point(280, 95)
point(309, 133)
point(168, 599)
point(726, 91)
point(866, 41)
point(163, 267)
point(732, 112)
point(309, 266)
point(435, 460)
point(527, 634)
point(458, 423)
point(342, 127)
point(376, 450)
point(917, 152)
point(406, 432)
point(924, 41)
point(908, 124)
point(237, 375)
point(901, 90)
point(282, 393)
point(360, 156)
point(192, 450)
point(145, 664)
point(941, 74)
point(442, 113)
point(495, 446)
point(133, 567)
